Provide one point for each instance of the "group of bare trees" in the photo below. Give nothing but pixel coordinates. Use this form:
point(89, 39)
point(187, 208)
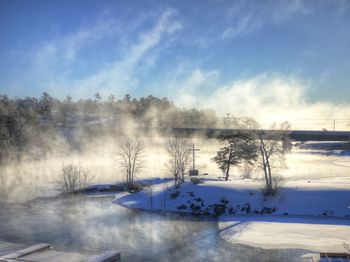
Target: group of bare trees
point(255, 150)
point(131, 155)
point(71, 179)
point(251, 148)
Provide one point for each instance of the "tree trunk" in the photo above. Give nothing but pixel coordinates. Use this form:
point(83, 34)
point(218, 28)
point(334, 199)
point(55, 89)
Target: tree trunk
point(228, 165)
point(269, 176)
point(227, 172)
point(264, 161)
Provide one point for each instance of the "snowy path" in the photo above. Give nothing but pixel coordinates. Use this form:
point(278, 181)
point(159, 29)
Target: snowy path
point(270, 232)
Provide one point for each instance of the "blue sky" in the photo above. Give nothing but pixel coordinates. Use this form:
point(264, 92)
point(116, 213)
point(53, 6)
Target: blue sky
point(179, 49)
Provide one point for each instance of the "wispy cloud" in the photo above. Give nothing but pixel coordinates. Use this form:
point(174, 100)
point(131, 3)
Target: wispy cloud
point(120, 74)
point(64, 49)
point(245, 17)
point(57, 61)
point(165, 25)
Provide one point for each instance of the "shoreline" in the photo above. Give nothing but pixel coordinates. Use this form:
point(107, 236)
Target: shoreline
point(310, 231)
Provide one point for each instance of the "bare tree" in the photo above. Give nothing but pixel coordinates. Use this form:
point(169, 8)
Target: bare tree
point(131, 159)
point(180, 157)
point(272, 156)
point(71, 179)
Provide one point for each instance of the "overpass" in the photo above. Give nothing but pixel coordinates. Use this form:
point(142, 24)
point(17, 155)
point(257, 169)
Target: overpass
point(295, 135)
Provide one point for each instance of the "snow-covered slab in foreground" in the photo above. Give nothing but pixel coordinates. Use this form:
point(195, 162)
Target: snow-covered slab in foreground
point(272, 232)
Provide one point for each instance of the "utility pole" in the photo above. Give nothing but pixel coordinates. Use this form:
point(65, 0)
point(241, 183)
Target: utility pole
point(193, 149)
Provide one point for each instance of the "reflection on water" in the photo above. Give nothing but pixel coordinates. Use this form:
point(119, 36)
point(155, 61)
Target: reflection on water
point(96, 224)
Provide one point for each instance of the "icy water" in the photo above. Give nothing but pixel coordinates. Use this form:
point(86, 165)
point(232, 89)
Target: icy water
point(96, 224)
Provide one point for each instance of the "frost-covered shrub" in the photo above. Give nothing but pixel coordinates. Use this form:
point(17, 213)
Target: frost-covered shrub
point(197, 180)
point(275, 186)
point(71, 179)
point(247, 170)
point(134, 187)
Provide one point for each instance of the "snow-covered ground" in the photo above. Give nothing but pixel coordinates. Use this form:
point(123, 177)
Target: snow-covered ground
point(312, 211)
point(300, 198)
point(274, 232)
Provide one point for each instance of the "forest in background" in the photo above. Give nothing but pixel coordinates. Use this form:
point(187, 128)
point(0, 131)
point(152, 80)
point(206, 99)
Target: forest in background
point(32, 127)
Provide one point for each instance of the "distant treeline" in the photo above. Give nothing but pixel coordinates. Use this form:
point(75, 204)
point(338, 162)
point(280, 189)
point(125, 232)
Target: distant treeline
point(148, 110)
point(37, 124)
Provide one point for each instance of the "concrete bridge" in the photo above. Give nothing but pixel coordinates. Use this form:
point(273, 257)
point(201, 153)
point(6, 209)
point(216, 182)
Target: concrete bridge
point(295, 135)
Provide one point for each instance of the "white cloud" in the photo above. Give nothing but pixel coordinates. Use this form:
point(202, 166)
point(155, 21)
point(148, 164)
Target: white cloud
point(186, 84)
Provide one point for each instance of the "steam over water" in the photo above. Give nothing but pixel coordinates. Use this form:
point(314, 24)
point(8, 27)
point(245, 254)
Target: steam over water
point(90, 224)
point(94, 224)
point(29, 179)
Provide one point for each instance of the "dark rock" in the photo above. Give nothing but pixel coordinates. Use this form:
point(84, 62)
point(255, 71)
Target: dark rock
point(267, 210)
point(328, 212)
point(175, 194)
point(206, 213)
point(246, 208)
point(182, 207)
point(224, 200)
point(190, 194)
point(195, 208)
point(219, 210)
point(231, 211)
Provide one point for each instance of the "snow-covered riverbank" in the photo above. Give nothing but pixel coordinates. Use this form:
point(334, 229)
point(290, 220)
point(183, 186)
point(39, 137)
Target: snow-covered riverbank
point(312, 211)
point(213, 197)
point(312, 216)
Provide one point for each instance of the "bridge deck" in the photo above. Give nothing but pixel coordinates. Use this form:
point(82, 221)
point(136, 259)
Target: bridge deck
point(296, 135)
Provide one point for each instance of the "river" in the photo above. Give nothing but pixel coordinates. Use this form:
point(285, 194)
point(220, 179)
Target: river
point(92, 223)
